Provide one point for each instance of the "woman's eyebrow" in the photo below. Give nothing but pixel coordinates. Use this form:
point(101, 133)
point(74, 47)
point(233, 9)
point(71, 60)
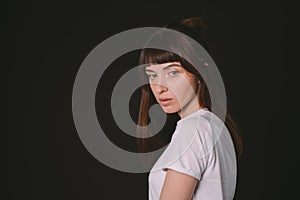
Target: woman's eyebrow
point(166, 67)
point(149, 70)
point(171, 65)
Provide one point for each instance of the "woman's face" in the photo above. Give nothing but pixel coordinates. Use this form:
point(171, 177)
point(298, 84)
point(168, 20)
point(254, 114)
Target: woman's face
point(174, 88)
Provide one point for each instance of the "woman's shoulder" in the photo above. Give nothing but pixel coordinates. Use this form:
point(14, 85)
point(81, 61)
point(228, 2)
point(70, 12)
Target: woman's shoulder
point(204, 127)
point(202, 118)
point(191, 128)
point(197, 120)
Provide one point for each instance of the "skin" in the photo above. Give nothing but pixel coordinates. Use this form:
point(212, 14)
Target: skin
point(176, 90)
point(178, 186)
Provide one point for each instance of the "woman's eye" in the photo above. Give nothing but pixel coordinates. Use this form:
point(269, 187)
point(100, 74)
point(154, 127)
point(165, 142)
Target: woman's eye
point(173, 73)
point(151, 76)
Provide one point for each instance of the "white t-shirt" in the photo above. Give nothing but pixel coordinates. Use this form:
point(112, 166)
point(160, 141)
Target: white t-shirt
point(201, 147)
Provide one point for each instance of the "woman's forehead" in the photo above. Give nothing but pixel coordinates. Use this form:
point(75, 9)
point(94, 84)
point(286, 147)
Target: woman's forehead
point(163, 65)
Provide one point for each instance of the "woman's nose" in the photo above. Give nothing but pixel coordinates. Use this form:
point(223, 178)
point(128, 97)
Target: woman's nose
point(160, 88)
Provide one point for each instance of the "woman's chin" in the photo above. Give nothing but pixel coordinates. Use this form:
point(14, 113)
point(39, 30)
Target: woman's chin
point(169, 110)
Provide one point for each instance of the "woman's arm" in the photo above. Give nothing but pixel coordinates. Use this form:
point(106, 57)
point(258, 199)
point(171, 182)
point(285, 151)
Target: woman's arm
point(178, 186)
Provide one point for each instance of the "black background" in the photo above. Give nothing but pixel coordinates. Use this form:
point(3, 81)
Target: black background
point(43, 155)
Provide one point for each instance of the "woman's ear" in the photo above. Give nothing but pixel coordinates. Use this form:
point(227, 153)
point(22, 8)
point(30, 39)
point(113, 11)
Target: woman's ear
point(198, 86)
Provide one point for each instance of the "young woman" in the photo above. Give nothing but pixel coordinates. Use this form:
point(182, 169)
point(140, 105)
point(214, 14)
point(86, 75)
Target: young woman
point(200, 160)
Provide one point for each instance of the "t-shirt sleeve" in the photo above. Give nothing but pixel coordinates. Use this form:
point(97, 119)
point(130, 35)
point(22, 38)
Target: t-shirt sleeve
point(189, 147)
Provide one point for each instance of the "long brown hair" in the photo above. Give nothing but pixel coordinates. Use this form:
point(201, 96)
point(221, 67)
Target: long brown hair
point(194, 27)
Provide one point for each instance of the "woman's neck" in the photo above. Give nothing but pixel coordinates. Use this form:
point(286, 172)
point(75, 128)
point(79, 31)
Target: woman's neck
point(190, 108)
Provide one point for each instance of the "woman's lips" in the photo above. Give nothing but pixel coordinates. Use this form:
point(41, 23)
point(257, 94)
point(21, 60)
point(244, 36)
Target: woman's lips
point(165, 102)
